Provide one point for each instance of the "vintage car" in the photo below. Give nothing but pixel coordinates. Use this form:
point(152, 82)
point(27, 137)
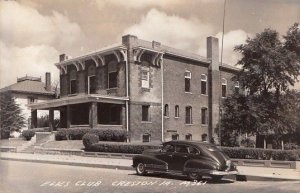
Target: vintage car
point(192, 158)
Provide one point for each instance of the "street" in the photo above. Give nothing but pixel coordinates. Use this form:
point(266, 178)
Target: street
point(25, 177)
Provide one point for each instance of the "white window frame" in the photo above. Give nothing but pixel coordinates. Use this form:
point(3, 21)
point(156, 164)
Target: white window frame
point(190, 108)
point(145, 80)
point(224, 83)
point(204, 80)
point(206, 116)
point(177, 114)
point(187, 75)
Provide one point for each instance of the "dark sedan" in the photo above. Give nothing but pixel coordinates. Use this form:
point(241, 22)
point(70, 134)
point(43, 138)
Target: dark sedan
point(191, 158)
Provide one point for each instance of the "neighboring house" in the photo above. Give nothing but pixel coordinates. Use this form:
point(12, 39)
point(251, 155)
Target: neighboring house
point(29, 90)
point(155, 92)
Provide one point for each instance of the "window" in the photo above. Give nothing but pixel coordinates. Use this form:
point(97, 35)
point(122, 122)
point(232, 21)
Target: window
point(145, 77)
point(188, 115)
point(175, 136)
point(224, 87)
point(114, 114)
point(203, 84)
point(188, 137)
point(182, 149)
point(73, 82)
point(193, 150)
point(31, 100)
point(187, 79)
point(146, 138)
point(145, 113)
point(169, 148)
point(204, 116)
point(166, 110)
point(92, 79)
point(236, 87)
point(176, 111)
point(112, 75)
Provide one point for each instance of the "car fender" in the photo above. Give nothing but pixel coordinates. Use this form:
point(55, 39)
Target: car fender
point(200, 165)
point(149, 161)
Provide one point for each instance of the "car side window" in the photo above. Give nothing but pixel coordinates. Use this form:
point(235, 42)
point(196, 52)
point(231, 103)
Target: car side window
point(181, 149)
point(168, 148)
point(194, 150)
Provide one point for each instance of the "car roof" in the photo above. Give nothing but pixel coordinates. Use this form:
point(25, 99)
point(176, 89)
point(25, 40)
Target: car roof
point(189, 142)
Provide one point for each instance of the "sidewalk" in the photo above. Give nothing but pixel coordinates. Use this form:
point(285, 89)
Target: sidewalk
point(257, 173)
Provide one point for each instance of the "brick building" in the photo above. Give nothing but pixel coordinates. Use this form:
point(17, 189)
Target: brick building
point(155, 92)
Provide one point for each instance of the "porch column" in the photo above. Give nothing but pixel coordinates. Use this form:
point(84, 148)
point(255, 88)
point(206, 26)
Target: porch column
point(93, 114)
point(33, 118)
point(123, 116)
point(51, 119)
point(69, 116)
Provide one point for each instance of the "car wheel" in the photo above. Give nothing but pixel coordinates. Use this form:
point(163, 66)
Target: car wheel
point(140, 169)
point(194, 176)
point(216, 178)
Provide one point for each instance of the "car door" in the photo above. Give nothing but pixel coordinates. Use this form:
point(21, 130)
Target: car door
point(180, 156)
point(166, 154)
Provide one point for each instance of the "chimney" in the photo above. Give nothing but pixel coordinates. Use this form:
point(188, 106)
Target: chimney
point(63, 57)
point(48, 81)
point(213, 52)
point(213, 85)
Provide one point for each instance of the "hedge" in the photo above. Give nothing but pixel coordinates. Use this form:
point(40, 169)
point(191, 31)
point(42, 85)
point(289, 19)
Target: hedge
point(119, 135)
point(89, 139)
point(232, 152)
point(121, 147)
point(103, 134)
point(261, 154)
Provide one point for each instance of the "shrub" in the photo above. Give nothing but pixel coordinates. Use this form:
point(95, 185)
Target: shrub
point(89, 139)
point(61, 135)
point(77, 133)
point(261, 154)
point(28, 134)
point(121, 147)
point(119, 135)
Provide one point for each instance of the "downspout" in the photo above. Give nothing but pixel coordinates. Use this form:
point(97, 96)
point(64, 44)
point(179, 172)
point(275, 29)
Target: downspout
point(162, 100)
point(127, 93)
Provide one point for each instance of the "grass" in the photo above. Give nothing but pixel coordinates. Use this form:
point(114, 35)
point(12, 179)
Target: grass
point(13, 143)
point(66, 144)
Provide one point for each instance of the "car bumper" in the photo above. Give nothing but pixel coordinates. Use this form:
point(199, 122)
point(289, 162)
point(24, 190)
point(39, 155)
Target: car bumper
point(223, 173)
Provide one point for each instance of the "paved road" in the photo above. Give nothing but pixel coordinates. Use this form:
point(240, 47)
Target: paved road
point(25, 177)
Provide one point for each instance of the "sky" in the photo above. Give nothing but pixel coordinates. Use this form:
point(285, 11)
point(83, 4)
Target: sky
point(34, 32)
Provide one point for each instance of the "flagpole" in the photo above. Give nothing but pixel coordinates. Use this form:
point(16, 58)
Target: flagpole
point(220, 110)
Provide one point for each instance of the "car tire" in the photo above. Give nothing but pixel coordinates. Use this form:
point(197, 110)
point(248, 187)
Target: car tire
point(216, 178)
point(194, 176)
point(140, 169)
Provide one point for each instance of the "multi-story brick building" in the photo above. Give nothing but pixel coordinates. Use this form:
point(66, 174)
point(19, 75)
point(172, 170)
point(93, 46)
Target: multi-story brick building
point(153, 91)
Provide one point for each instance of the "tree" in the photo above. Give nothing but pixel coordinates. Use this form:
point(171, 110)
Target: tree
point(11, 118)
point(270, 66)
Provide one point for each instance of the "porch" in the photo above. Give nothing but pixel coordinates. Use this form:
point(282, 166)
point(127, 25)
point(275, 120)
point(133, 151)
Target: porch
point(93, 111)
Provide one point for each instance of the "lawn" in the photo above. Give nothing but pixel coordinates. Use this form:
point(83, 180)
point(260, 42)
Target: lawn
point(66, 144)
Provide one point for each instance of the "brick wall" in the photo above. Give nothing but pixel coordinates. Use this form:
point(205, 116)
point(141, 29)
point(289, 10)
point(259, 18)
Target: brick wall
point(174, 94)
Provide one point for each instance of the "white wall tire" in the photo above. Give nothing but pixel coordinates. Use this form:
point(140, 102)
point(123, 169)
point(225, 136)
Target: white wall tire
point(140, 169)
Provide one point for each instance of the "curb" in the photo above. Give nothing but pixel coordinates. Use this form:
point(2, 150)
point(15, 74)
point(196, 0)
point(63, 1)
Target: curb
point(71, 163)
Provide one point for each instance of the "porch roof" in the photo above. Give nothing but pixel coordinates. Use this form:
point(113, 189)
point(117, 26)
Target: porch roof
point(77, 100)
